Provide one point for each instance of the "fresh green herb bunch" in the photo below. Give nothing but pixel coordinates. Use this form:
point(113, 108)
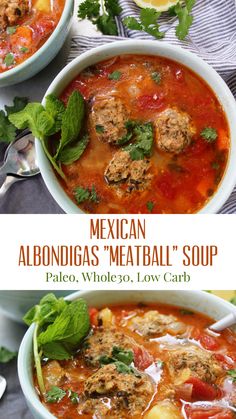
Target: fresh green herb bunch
point(102, 13)
point(7, 129)
point(60, 326)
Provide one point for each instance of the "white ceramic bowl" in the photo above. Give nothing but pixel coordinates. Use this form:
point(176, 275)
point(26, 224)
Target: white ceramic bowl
point(149, 48)
point(45, 54)
point(200, 301)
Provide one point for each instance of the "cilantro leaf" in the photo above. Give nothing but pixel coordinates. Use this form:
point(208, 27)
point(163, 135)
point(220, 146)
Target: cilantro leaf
point(185, 19)
point(123, 355)
point(125, 369)
point(9, 59)
point(7, 130)
point(131, 23)
point(209, 134)
point(55, 395)
point(156, 76)
point(99, 129)
point(106, 24)
point(11, 29)
point(82, 195)
point(143, 144)
point(24, 49)
point(19, 103)
point(72, 153)
point(89, 9)
point(150, 206)
point(148, 23)
point(74, 397)
point(232, 374)
point(112, 7)
point(6, 355)
point(116, 75)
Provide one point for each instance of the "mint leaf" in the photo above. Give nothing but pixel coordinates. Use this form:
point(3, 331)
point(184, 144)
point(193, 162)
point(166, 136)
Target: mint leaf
point(209, 134)
point(116, 75)
point(70, 153)
point(55, 395)
point(7, 130)
point(56, 108)
point(19, 103)
point(56, 350)
point(71, 120)
point(46, 311)
point(6, 355)
point(69, 328)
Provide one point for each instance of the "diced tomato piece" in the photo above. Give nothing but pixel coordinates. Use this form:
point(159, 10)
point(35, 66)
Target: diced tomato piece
point(21, 38)
point(202, 390)
point(142, 359)
point(156, 102)
point(93, 314)
point(209, 342)
point(208, 413)
point(225, 362)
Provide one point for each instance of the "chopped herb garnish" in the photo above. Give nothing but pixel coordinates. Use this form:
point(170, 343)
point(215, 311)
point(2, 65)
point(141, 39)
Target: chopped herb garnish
point(74, 397)
point(101, 13)
point(9, 59)
point(142, 146)
point(6, 355)
point(215, 165)
point(55, 395)
point(24, 49)
point(186, 312)
point(156, 76)
point(209, 134)
point(150, 206)
point(11, 29)
point(123, 355)
point(82, 195)
point(116, 75)
point(99, 129)
point(232, 374)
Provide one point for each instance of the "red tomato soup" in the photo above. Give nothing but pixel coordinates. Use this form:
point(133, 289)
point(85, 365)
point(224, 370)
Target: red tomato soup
point(146, 361)
point(158, 137)
point(24, 28)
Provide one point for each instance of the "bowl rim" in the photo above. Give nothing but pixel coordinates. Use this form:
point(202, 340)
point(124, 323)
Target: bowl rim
point(181, 55)
point(38, 54)
point(24, 372)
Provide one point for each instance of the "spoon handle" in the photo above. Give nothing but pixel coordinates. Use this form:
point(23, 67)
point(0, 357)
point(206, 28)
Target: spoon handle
point(7, 184)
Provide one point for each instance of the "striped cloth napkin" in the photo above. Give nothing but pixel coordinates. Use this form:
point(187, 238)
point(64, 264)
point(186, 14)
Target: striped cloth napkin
point(212, 37)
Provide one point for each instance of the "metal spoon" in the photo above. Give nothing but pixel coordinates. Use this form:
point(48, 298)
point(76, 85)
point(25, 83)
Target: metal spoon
point(3, 385)
point(19, 161)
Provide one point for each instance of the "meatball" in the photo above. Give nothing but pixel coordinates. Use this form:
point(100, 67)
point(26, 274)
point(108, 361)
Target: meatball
point(129, 393)
point(196, 362)
point(134, 173)
point(102, 342)
point(174, 130)
point(152, 323)
point(11, 11)
point(108, 117)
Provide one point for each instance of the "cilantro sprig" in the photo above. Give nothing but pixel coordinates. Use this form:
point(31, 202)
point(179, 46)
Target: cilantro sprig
point(209, 134)
point(102, 13)
point(6, 355)
point(60, 326)
point(7, 129)
point(143, 135)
